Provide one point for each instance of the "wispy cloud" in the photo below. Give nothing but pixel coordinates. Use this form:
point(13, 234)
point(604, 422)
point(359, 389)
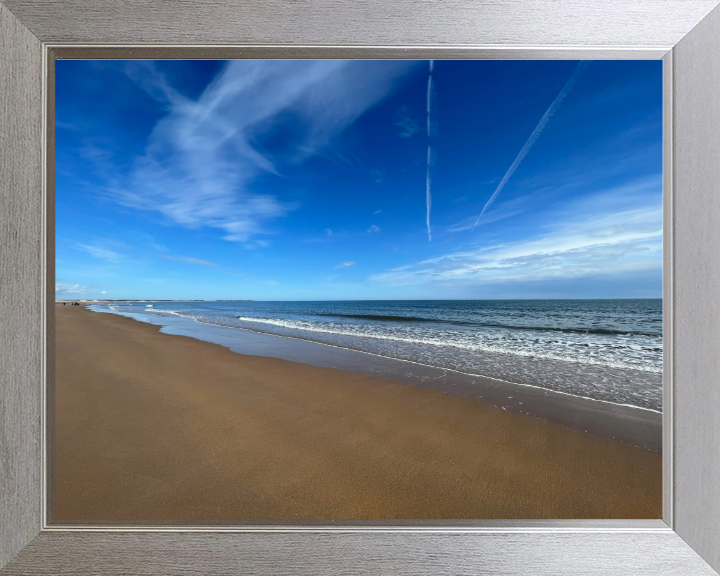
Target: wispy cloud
point(507, 209)
point(149, 78)
point(378, 175)
point(72, 290)
point(592, 245)
point(409, 126)
point(536, 133)
point(345, 265)
point(192, 261)
point(102, 253)
point(71, 126)
point(203, 157)
point(374, 228)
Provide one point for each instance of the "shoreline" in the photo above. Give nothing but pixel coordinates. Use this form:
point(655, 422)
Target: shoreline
point(637, 426)
point(156, 428)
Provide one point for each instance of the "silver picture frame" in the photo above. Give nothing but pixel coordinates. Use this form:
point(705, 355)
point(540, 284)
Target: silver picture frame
point(685, 34)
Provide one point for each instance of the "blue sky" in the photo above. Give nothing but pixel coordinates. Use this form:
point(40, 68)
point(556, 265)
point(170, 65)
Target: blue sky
point(332, 180)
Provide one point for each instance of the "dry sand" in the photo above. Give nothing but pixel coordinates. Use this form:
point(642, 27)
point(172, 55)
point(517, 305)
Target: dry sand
point(158, 429)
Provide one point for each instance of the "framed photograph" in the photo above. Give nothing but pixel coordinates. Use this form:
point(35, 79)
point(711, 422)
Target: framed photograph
point(321, 289)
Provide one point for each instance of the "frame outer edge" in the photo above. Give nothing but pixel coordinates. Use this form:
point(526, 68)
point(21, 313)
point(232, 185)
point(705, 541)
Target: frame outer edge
point(696, 176)
point(658, 23)
point(543, 554)
point(21, 281)
point(21, 125)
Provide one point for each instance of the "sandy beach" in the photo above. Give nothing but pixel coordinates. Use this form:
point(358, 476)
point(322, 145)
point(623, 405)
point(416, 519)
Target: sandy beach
point(151, 428)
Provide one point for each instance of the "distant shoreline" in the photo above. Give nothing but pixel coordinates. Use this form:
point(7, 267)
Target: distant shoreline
point(100, 301)
point(360, 300)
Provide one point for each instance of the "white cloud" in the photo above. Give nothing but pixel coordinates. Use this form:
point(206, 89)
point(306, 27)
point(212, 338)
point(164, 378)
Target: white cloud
point(504, 210)
point(151, 80)
point(409, 126)
point(192, 260)
point(102, 253)
point(609, 243)
point(203, 157)
point(374, 228)
point(103, 292)
point(345, 265)
point(62, 289)
point(377, 174)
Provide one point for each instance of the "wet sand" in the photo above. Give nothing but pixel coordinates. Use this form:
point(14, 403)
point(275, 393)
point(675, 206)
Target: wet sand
point(152, 428)
point(628, 424)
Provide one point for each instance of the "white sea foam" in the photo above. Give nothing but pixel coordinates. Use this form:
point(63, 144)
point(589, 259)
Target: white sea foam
point(448, 342)
point(609, 352)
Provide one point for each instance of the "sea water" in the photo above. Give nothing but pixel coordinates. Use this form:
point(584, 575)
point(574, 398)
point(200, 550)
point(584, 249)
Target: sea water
point(608, 350)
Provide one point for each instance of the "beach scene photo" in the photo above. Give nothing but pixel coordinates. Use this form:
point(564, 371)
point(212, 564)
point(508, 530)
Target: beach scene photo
point(327, 291)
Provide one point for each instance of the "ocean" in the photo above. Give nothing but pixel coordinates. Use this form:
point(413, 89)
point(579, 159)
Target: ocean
point(609, 350)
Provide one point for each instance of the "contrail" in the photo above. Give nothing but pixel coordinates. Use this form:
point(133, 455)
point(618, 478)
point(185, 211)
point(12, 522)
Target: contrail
point(431, 125)
point(431, 132)
point(534, 136)
point(431, 155)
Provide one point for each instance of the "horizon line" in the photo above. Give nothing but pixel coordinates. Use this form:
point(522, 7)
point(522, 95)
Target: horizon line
point(340, 300)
